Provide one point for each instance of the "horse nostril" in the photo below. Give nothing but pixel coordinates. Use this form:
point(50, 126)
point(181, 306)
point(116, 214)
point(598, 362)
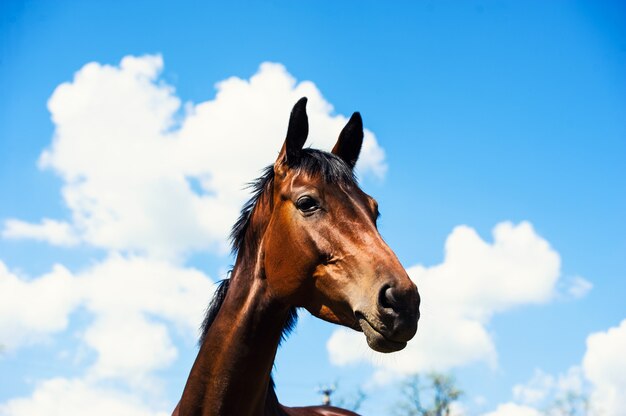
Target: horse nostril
point(387, 298)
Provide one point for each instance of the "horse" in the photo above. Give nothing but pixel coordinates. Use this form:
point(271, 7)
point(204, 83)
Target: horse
point(308, 239)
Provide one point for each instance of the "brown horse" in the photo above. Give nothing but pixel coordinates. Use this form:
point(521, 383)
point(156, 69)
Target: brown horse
point(306, 239)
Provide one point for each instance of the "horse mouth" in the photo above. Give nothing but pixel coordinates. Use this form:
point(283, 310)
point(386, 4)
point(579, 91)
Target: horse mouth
point(376, 340)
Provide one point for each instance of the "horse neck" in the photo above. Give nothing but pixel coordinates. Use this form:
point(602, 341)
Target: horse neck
point(231, 375)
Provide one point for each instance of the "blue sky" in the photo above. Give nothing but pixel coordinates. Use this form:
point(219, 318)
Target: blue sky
point(487, 112)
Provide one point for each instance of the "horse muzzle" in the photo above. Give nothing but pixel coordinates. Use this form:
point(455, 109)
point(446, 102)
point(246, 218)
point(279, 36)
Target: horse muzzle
point(395, 321)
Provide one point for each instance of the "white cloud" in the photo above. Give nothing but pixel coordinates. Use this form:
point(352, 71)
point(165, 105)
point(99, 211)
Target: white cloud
point(125, 295)
point(459, 296)
point(122, 286)
point(536, 390)
point(546, 394)
point(73, 397)
point(595, 388)
point(130, 299)
point(579, 287)
point(32, 309)
point(456, 409)
point(129, 346)
point(130, 161)
point(512, 409)
point(51, 231)
point(604, 365)
point(544, 389)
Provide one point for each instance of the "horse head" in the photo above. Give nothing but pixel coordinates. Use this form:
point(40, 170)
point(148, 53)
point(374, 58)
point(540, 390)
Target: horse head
point(321, 248)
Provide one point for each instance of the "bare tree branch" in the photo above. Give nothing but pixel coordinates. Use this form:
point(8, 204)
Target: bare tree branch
point(439, 390)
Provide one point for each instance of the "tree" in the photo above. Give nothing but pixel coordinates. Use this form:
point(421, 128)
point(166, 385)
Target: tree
point(572, 403)
point(350, 402)
point(440, 391)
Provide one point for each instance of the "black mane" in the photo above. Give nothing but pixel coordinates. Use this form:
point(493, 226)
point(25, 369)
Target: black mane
point(216, 304)
point(331, 169)
point(312, 162)
point(214, 307)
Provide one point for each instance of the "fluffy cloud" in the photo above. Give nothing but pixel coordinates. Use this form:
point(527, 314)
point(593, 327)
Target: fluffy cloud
point(135, 304)
point(62, 397)
point(459, 296)
point(129, 347)
point(32, 309)
point(51, 231)
point(595, 388)
point(544, 389)
point(130, 300)
point(512, 409)
point(605, 367)
point(145, 176)
point(126, 295)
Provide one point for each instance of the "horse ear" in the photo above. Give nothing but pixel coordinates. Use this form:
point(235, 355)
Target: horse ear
point(297, 133)
point(350, 140)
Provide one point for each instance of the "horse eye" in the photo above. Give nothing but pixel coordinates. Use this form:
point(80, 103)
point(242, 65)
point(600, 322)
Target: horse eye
point(307, 204)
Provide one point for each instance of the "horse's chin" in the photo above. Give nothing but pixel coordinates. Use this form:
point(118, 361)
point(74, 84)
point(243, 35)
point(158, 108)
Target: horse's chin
point(376, 340)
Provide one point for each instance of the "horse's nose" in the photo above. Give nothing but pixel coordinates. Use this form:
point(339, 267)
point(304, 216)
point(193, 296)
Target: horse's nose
point(398, 307)
point(388, 299)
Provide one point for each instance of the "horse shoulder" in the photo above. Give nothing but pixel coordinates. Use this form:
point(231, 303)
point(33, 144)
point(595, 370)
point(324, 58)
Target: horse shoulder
point(317, 411)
